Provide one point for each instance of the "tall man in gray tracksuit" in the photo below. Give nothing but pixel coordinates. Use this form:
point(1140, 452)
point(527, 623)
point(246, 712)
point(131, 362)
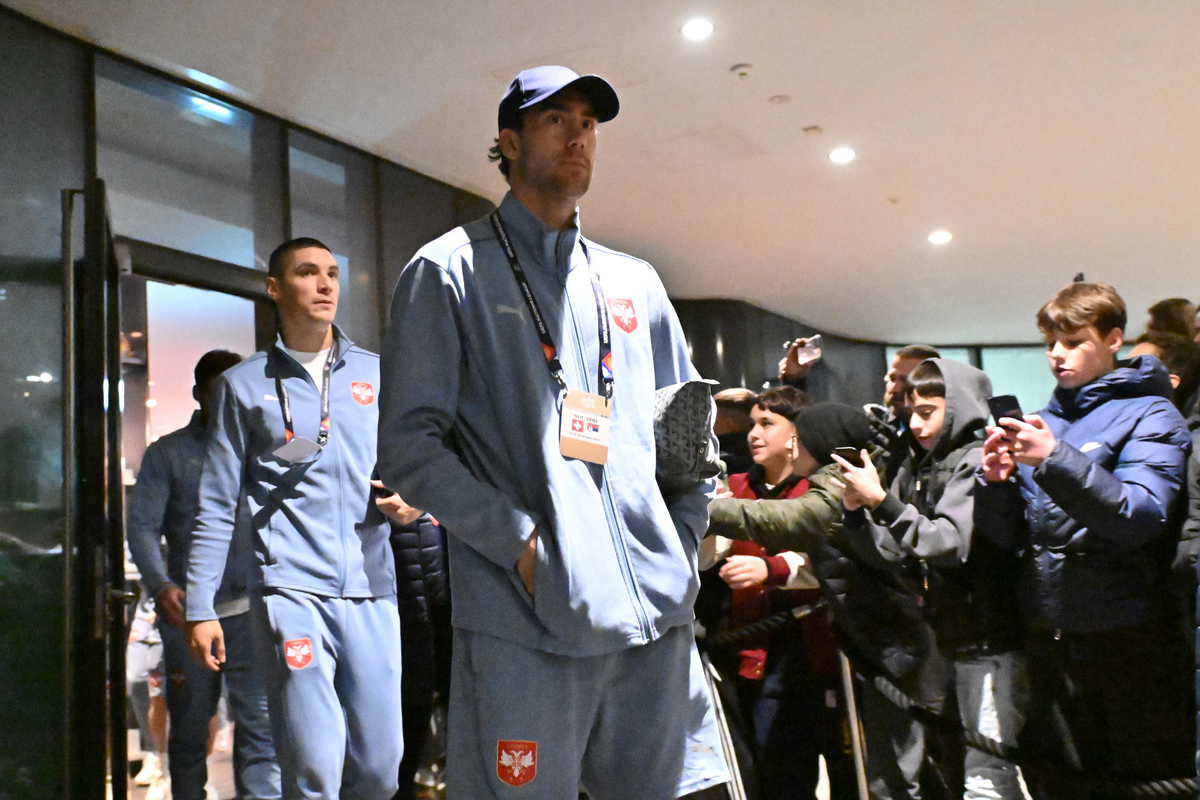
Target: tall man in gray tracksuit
point(572, 575)
point(293, 429)
point(163, 506)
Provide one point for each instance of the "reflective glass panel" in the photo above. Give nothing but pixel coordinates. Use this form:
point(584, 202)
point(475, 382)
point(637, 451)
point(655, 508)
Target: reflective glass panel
point(42, 149)
point(177, 164)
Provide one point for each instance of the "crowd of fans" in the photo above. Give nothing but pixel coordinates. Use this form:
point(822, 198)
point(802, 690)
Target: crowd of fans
point(1016, 595)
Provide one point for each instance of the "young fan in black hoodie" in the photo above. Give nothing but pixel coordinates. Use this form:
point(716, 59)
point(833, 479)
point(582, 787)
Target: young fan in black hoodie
point(924, 524)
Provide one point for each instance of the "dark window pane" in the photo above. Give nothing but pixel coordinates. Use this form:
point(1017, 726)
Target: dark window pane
point(42, 147)
point(333, 199)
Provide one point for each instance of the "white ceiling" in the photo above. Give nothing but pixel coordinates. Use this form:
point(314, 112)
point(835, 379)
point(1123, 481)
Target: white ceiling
point(1048, 137)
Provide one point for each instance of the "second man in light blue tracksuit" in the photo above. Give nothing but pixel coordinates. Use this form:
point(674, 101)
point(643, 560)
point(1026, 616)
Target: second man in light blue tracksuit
point(574, 665)
point(293, 428)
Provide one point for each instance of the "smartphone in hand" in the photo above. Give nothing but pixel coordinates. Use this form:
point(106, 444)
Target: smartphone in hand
point(1005, 405)
point(849, 454)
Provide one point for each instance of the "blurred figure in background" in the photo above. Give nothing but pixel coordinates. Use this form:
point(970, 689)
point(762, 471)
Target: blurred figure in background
point(1174, 315)
point(888, 420)
point(162, 509)
point(731, 426)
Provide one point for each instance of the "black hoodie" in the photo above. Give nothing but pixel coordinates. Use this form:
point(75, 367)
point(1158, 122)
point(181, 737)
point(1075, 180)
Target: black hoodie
point(925, 526)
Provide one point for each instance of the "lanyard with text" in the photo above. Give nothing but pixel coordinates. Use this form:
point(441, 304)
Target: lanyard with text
point(585, 416)
point(297, 448)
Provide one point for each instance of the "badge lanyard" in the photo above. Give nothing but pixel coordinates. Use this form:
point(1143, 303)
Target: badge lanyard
point(285, 406)
point(548, 348)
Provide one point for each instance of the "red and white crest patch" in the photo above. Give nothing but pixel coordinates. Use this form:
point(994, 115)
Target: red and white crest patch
point(364, 393)
point(624, 314)
point(516, 762)
point(297, 653)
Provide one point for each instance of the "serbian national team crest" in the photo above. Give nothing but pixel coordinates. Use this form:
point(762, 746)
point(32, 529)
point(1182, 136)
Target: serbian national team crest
point(364, 393)
point(516, 762)
point(623, 314)
point(297, 653)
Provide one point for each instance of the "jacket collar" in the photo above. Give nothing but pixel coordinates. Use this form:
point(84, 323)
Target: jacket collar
point(1144, 376)
point(341, 344)
point(538, 248)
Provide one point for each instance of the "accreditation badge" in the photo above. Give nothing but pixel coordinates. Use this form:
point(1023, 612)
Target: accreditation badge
point(584, 430)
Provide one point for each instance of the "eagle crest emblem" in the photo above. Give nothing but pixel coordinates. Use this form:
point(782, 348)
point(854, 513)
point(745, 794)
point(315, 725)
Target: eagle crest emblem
point(364, 393)
point(516, 762)
point(624, 314)
point(297, 653)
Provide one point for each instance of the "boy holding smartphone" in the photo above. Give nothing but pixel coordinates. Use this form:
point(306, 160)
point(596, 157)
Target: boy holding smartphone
point(924, 525)
point(1090, 494)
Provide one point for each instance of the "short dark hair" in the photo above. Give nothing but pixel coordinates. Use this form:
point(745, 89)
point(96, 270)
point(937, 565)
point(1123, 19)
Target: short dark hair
point(277, 263)
point(1181, 356)
point(1173, 315)
point(786, 401)
point(1082, 304)
point(736, 399)
point(926, 380)
point(494, 153)
point(212, 364)
point(917, 351)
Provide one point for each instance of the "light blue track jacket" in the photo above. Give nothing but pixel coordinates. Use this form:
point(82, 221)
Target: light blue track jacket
point(164, 504)
point(469, 431)
point(315, 524)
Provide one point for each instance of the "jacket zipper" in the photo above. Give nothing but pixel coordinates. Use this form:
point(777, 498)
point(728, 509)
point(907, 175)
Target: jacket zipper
point(610, 512)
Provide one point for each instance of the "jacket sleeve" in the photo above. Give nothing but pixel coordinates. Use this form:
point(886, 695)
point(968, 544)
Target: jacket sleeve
point(672, 365)
point(220, 490)
point(798, 524)
point(147, 513)
point(1131, 506)
point(999, 513)
point(945, 538)
point(1184, 566)
point(422, 364)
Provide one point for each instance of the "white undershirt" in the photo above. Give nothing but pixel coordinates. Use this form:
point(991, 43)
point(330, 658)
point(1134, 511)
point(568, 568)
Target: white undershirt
point(313, 363)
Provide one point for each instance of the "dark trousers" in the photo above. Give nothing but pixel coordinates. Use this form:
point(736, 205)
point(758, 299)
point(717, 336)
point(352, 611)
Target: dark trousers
point(797, 716)
point(993, 695)
point(1107, 709)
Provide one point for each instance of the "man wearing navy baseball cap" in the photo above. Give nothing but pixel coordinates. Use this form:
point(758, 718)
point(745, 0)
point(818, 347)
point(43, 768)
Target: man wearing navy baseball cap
point(517, 406)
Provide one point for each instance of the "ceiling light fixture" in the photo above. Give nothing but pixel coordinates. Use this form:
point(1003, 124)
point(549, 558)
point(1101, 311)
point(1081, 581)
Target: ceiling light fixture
point(697, 29)
point(940, 237)
point(842, 155)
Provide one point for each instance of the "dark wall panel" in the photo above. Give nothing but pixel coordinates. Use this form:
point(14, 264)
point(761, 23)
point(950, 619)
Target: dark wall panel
point(739, 344)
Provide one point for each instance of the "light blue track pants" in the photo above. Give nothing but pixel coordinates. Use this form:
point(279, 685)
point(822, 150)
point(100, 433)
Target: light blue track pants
point(636, 724)
point(332, 669)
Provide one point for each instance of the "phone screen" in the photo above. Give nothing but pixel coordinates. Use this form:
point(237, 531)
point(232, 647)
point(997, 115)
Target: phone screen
point(1005, 405)
point(849, 454)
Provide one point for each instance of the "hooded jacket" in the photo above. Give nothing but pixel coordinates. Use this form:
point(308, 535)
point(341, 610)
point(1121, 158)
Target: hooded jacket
point(469, 431)
point(315, 525)
point(925, 526)
point(876, 615)
point(1097, 522)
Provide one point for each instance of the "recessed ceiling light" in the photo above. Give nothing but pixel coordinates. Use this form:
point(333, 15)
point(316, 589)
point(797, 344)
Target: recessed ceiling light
point(697, 29)
point(940, 237)
point(842, 155)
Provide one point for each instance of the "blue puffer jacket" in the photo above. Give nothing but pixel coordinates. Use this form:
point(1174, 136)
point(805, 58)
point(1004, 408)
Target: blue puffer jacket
point(1096, 524)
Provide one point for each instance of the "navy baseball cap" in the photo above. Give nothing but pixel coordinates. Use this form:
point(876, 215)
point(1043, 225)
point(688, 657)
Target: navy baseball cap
point(534, 85)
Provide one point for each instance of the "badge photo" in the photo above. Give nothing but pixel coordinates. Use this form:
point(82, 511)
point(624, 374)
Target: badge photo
point(516, 761)
point(297, 653)
point(364, 393)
